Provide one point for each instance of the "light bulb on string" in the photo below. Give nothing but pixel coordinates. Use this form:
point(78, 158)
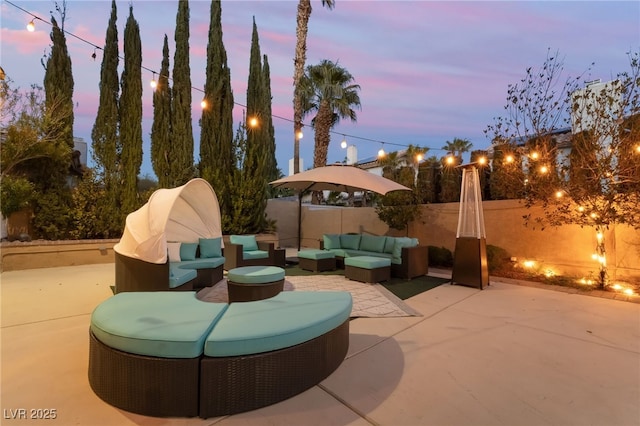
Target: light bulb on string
point(203, 104)
point(381, 152)
point(343, 144)
point(31, 26)
point(153, 83)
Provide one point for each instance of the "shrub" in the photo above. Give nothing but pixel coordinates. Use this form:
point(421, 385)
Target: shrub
point(497, 258)
point(440, 256)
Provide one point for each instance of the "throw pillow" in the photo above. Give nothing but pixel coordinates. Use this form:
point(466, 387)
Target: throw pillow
point(397, 247)
point(331, 241)
point(248, 242)
point(210, 247)
point(174, 252)
point(372, 243)
point(350, 241)
point(188, 251)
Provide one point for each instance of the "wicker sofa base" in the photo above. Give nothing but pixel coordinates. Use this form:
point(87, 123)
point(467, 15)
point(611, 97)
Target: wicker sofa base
point(374, 275)
point(208, 386)
point(317, 265)
point(241, 292)
point(152, 386)
point(231, 385)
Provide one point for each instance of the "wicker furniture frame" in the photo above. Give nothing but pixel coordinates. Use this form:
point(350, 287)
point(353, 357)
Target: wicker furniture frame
point(374, 275)
point(137, 275)
point(152, 386)
point(231, 385)
point(209, 386)
point(233, 257)
point(317, 265)
point(241, 292)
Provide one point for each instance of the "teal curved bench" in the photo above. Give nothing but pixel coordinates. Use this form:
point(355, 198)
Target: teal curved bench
point(169, 354)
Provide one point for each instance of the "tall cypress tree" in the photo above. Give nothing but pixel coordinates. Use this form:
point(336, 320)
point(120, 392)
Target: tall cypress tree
point(181, 130)
point(252, 194)
point(131, 115)
point(105, 129)
point(272, 172)
point(49, 174)
point(161, 129)
point(217, 156)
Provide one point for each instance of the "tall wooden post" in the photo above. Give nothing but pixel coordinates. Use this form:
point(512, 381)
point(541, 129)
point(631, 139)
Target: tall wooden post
point(470, 258)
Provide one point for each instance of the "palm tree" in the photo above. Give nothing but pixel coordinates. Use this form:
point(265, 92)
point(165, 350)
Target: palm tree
point(458, 147)
point(302, 19)
point(328, 90)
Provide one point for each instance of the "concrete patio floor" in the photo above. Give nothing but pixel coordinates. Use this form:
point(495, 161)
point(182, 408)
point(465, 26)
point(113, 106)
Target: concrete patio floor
point(506, 355)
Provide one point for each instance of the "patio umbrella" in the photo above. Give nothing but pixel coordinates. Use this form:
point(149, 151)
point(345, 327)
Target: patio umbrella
point(336, 178)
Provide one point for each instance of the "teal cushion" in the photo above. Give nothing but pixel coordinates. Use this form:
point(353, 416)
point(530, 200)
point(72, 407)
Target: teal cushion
point(367, 262)
point(388, 245)
point(316, 254)
point(210, 247)
point(331, 241)
point(160, 323)
point(400, 243)
point(339, 252)
point(248, 242)
point(255, 254)
point(372, 243)
point(179, 276)
point(188, 251)
point(255, 274)
point(282, 321)
point(201, 263)
point(350, 241)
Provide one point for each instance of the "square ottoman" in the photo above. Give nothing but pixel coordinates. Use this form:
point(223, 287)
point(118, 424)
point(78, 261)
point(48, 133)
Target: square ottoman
point(316, 260)
point(368, 269)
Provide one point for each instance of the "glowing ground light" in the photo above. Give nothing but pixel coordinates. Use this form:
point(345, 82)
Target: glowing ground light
point(509, 158)
point(529, 263)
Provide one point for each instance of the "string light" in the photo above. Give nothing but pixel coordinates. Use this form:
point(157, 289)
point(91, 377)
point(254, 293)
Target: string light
point(381, 152)
point(203, 104)
point(31, 26)
point(343, 144)
point(153, 83)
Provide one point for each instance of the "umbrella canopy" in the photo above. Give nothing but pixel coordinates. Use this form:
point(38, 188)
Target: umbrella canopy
point(336, 178)
point(340, 179)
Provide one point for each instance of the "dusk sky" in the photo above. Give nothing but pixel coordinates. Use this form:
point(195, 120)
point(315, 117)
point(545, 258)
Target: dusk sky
point(429, 71)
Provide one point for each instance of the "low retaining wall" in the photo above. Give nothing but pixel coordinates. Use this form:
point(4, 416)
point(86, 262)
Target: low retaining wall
point(17, 255)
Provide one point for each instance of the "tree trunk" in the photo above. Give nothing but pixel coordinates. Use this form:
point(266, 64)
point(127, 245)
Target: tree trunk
point(304, 13)
point(601, 258)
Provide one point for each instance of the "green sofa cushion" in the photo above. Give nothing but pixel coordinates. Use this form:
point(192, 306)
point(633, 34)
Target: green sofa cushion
point(255, 254)
point(331, 241)
point(287, 319)
point(188, 251)
point(210, 247)
point(367, 262)
point(315, 254)
point(199, 263)
point(161, 324)
point(388, 245)
point(248, 242)
point(400, 243)
point(372, 243)
point(350, 241)
point(179, 276)
point(255, 274)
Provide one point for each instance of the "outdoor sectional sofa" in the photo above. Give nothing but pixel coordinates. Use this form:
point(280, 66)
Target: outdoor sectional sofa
point(408, 258)
point(227, 358)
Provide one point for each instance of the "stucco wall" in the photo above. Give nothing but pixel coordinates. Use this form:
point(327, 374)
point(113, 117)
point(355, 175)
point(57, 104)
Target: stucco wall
point(566, 250)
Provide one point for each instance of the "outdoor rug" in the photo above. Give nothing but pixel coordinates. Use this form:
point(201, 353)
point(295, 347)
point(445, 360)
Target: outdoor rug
point(369, 300)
